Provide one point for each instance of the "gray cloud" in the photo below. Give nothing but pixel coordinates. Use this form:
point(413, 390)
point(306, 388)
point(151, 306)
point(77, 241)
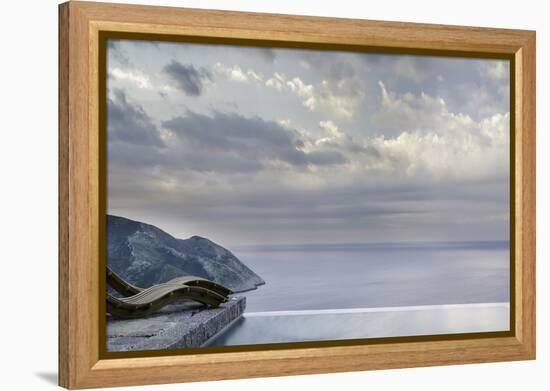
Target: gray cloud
point(267, 54)
point(322, 158)
point(252, 162)
point(245, 210)
point(246, 139)
point(117, 53)
point(127, 122)
point(188, 79)
point(341, 89)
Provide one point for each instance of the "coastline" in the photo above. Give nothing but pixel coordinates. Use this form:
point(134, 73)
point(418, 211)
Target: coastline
point(251, 289)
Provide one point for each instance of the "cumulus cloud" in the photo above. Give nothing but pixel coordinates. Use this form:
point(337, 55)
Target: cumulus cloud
point(497, 70)
point(407, 111)
point(331, 129)
point(136, 77)
point(340, 97)
point(430, 141)
point(188, 79)
point(332, 138)
point(485, 99)
point(236, 73)
point(316, 151)
point(433, 140)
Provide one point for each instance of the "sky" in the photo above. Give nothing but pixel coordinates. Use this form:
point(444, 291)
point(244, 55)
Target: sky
point(252, 145)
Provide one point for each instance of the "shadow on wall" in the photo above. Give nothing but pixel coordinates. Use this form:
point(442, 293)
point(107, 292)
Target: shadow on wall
point(48, 377)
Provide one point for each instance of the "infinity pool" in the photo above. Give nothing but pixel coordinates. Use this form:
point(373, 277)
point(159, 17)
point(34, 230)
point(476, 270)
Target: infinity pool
point(319, 325)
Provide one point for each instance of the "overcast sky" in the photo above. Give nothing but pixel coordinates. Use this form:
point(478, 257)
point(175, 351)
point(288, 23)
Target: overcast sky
point(248, 145)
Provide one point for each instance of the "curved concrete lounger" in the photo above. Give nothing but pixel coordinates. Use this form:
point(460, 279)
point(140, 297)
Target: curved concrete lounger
point(127, 289)
point(154, 298)
point(203, 283)
point(139, 302)
point(118, 284)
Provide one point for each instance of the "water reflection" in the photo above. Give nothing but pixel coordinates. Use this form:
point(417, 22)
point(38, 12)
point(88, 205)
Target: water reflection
point(299, 326)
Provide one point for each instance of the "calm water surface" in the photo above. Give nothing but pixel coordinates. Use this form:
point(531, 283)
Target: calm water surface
point(323, 325)
point(318, 277)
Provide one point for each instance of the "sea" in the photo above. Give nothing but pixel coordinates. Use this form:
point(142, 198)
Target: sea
point(317, 277)
point(358, 290)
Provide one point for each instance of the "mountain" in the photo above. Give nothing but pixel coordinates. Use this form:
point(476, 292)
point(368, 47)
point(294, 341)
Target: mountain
point(145, 255)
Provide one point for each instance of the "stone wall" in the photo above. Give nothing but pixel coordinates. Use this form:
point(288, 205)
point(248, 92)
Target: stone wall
point(185, 325)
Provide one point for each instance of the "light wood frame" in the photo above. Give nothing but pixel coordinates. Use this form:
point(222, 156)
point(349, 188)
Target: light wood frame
point(80, 24)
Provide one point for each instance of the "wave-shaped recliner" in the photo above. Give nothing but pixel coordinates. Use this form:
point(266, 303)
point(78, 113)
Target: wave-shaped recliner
point(139, 302)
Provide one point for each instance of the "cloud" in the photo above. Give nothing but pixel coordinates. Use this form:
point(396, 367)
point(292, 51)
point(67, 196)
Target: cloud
point(236, 73)
point(496, 70)
point(263, 144)
point(432, 140)
point(307, 147)
point(116, 52)
point(240, 172)
point(405, 68)
point(335, 139)
point(412, 68)
point(340, 89)
point(400, 112)
point(188, 79)
point(268, 54)
point(331, 129)
point(335, 66)
point(310, 206)
point(429, 142)
point(136, 77)
point(341, 97)
point(483, 99)
point(216, 143)
point(128, 123)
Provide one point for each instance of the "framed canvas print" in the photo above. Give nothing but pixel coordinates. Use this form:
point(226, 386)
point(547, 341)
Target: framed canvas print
point(299, 194)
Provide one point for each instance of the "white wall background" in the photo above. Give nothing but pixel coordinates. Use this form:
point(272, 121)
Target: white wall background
point(28, 88)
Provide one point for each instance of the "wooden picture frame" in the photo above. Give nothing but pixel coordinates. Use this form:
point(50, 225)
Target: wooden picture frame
point(81, 25)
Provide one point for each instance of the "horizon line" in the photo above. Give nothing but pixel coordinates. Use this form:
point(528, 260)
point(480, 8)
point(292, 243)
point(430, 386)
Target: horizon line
point(491, 243)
